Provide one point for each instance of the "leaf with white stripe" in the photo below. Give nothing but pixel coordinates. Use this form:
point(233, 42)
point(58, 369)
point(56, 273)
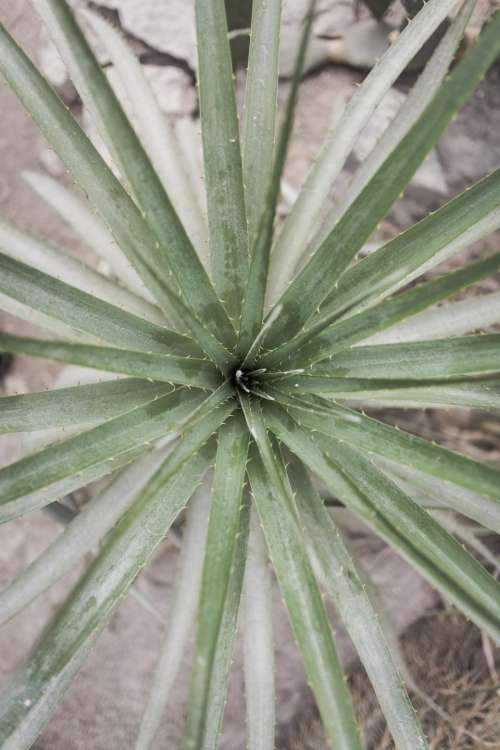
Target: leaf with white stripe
point(479, 394)
point(223, 659)
point(443, 359)
point(453, 319)
point(406, 526)
point(469, 217)
point(260, 108)
point(252, 312)
point(381, 439)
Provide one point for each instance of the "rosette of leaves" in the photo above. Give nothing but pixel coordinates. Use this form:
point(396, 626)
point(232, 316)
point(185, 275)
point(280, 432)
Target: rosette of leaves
point(244, 355)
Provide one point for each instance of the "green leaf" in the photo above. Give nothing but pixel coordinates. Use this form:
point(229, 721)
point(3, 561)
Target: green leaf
point(54, 493)
point(412, 531)
point(258, 644)
point(420, 96)
point(479, 394)
point(21, 481)
point(40, 685)
point(222, 540)
point(421, 360)
point(304, 603)
point(322, 340)
point(429, 539)
point(454, 319)
point(81, 158)
point(82, 404)
point(381, 439)
point(156, 133)
point(181, 614)
point(43, 322)
point(174, 251)
point(221, 146)
point(346, 587)
point(255, 293)
point(187, 370)
point(466, 219)
point(466, 533)
point(260, 109)
point(81, 536)
point(304, 216)
point(37, 253)
point(318, 277)
point(103, 189)
point(436, 493)
point(224, 652)
point(88, 313)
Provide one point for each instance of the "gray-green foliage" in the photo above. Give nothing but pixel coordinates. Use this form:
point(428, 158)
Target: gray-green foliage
point(247, 351)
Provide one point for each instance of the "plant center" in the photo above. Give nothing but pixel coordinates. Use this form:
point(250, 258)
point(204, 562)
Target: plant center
point(246, 380)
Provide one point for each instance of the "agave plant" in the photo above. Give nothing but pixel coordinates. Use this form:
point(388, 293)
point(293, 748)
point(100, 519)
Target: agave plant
point(248, 354)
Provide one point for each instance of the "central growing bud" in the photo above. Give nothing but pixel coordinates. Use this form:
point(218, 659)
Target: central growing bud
point(245, 380)
point(241, 380)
